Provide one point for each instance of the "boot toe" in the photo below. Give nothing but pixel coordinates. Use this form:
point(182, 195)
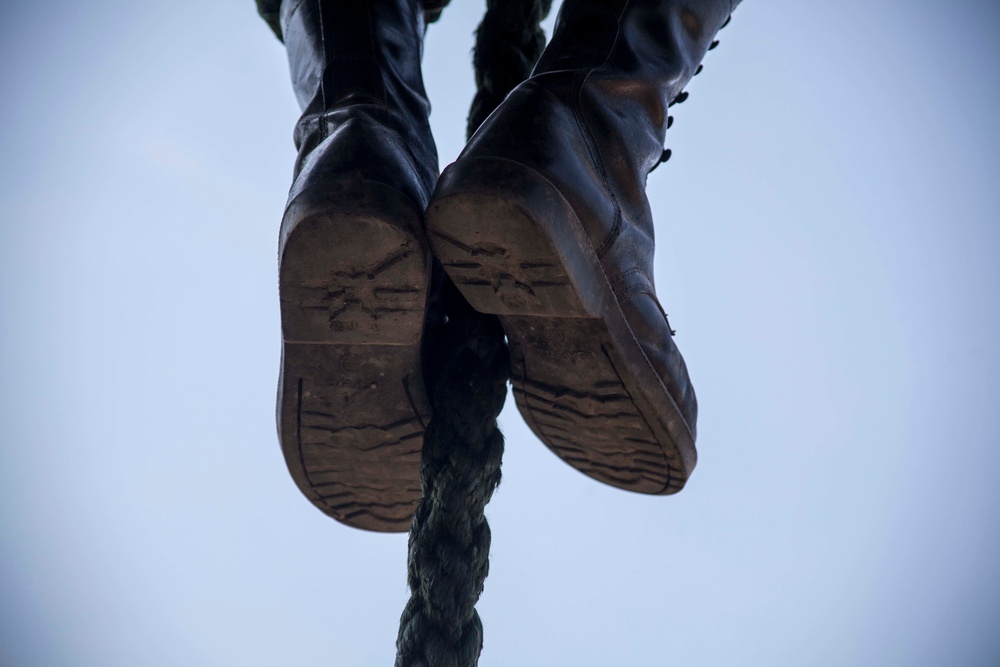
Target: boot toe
point(650, 327)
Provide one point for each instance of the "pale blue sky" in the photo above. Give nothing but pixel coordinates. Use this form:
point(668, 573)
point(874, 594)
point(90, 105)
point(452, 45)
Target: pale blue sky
point(827, 250)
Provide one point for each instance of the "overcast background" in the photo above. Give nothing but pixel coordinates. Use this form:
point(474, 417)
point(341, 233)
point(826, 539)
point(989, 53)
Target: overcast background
point(827, 250)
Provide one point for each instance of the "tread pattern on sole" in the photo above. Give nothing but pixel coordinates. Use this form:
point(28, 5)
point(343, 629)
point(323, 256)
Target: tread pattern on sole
point(502, 265)
point(587, 416)
point(352, 409)
point(580, 378)
point(539, 284)
point(358, 468)
point(371, 288)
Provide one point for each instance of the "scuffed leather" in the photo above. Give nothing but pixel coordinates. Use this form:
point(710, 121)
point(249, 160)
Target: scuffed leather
point(650, 327)
point(355, 69)
point(592, 119)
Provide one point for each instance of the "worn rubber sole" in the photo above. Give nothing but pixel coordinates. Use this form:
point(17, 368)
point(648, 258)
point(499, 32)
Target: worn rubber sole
point(514, 247)
point(352, 407)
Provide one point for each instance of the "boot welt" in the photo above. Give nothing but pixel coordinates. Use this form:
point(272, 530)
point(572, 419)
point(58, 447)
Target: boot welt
point(352, 408)
point(514, 246)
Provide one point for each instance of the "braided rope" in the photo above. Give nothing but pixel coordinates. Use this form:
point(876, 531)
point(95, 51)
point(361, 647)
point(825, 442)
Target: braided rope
point(508, 43)
point(450, 538)
point(448, 556)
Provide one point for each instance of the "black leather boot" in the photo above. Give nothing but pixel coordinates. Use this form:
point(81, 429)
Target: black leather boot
point(354, 262)
point(544, 220)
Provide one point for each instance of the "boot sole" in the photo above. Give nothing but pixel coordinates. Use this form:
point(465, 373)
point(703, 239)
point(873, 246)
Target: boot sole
point(514, 247)
point(352, 407)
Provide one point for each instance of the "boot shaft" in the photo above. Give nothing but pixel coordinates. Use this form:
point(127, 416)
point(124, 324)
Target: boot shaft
point(660, 40)
point(359, 59)
point(595, 108)
point(632, 58)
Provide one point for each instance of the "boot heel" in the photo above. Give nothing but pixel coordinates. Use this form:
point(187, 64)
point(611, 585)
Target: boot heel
point(354, 268)
point(513, 251)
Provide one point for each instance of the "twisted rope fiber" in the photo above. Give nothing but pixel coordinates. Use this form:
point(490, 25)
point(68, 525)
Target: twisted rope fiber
point(450, 538)
point(508, 43)
point(467, 372)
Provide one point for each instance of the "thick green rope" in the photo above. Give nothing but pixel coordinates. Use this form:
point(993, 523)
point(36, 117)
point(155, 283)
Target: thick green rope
point(468, 369)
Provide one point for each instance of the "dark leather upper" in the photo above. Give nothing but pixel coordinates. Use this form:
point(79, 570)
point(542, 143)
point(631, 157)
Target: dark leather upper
point(355, 69)
point(592, 119)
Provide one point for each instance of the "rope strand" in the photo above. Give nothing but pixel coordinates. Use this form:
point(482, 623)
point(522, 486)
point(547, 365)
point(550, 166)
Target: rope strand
point(508, 43)
point(467, 371)
point(450, 538)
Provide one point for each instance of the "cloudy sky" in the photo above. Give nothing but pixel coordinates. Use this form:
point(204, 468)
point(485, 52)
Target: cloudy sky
point(827, 250)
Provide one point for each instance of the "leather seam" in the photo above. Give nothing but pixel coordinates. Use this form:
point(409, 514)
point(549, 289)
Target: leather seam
point(595, 155)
